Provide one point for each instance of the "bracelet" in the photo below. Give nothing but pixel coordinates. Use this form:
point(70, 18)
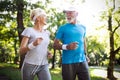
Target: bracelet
point(31, 46)
point(64, 47)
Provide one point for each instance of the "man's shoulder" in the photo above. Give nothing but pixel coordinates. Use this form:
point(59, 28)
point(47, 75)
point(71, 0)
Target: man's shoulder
point(63, 26)
point(81, 25)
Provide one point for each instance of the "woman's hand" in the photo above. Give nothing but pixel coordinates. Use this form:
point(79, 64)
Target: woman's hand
point(37, 41)
point(49, 55)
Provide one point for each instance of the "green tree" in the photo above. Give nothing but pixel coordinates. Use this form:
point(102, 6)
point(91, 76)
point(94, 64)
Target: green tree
point(96, 51)
point(9, 39)
point(113, 24)
point(20, 25)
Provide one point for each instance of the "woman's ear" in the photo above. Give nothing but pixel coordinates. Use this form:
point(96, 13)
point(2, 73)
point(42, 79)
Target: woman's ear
point(41, 19)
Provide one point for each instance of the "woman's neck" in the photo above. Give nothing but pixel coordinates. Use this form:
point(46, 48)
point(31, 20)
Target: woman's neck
point(38, 27)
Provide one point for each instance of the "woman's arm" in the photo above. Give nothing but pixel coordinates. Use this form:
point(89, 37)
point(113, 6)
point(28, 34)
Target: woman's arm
point(49, 55)
point(23, 45)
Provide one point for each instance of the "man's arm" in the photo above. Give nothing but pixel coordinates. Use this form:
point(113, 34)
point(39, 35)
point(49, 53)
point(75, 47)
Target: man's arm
point(57, 44)
point(71, 46)
point(85, 48)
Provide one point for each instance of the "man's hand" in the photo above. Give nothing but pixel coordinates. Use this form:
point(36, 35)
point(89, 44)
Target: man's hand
point(72, 46)
point(88, 60)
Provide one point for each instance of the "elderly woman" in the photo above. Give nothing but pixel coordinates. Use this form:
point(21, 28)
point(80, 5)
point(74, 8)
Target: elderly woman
point(34, 45)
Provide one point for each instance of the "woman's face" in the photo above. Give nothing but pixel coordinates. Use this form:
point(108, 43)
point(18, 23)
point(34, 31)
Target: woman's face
point(42, 19)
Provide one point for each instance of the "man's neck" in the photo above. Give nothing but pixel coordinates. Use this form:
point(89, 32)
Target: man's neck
point(73, 22)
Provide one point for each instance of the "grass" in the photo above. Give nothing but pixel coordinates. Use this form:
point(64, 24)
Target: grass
point(13, 73)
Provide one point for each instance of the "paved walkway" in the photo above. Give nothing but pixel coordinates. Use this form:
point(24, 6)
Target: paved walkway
point(105, 68)
point(102, 71)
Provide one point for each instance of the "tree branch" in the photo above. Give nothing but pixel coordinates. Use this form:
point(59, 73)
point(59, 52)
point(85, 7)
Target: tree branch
point(118, 21)
point(117, 50)
point(116, 29)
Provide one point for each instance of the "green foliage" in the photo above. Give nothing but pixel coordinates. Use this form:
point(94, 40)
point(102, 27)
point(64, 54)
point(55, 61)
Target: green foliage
point(56, 74)
point(96, 51)
point(9, 42)
point(7, 8)
point(9, 39)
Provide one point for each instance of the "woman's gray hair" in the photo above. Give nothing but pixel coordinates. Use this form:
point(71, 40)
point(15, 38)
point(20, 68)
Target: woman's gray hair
point(37, 12)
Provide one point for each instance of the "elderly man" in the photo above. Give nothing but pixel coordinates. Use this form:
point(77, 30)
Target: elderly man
point(70, 38)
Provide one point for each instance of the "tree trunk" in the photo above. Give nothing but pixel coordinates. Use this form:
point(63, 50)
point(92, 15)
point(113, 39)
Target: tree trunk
point(112, 54)
point(16, 59)
point(53, 59)
point(60, 61)
point(20, 26)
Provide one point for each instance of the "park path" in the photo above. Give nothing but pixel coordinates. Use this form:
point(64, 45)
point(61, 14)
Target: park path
point(104, 68)
point(102, 71)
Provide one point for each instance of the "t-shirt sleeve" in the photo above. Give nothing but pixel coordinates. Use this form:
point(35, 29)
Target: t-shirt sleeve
point(59, 33)
point(84, 31)
point(26, 32)
point(48, 32)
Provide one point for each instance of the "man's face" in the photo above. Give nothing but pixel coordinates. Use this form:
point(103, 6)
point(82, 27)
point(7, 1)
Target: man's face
point(71, 16)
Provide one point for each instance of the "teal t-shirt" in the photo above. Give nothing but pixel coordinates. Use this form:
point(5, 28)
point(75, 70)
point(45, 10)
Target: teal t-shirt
point(70, 33)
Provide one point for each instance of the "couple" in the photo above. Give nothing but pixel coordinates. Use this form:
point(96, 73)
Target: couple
point(70, 38)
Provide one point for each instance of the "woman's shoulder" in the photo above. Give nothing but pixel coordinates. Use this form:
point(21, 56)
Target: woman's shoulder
point(28, 29)
point(47, 31)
